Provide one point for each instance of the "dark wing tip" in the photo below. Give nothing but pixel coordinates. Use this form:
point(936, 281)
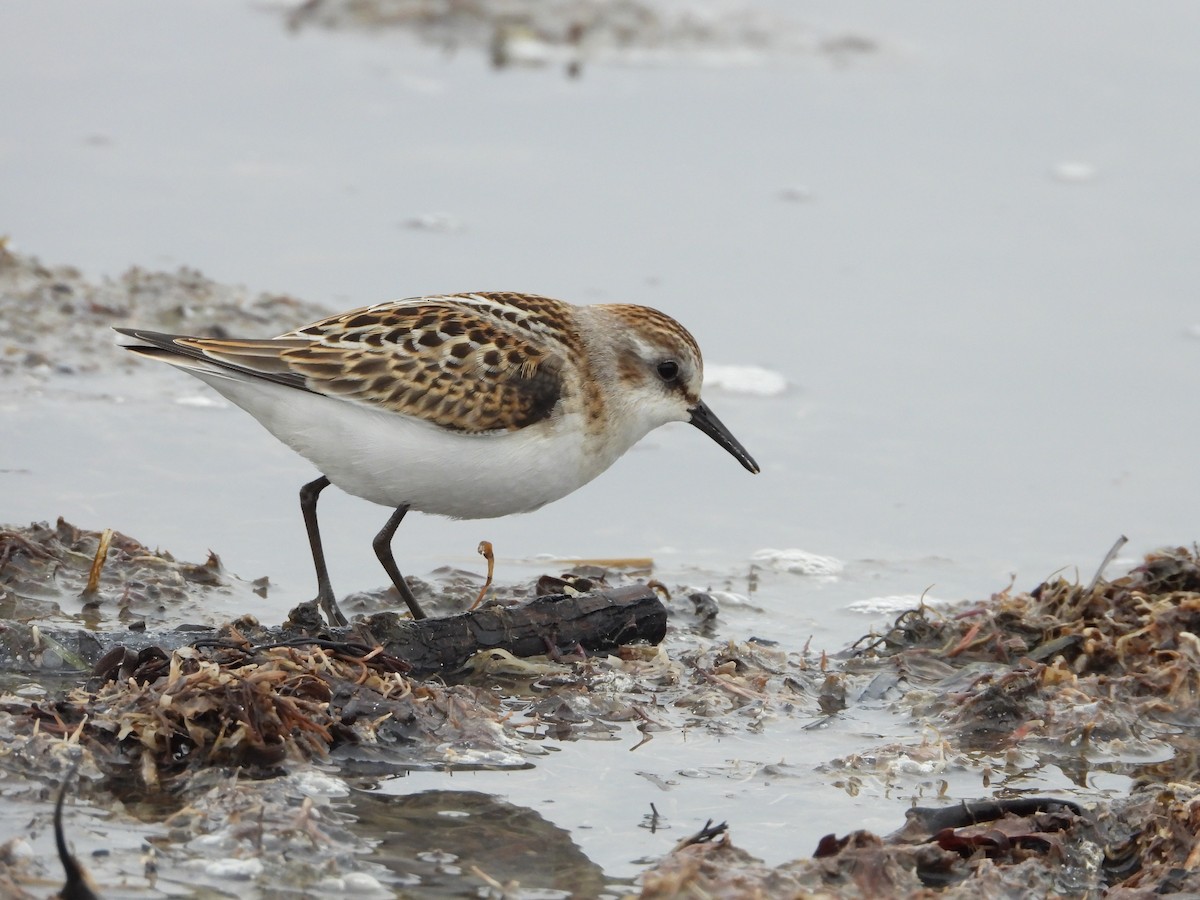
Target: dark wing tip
point(176, 349)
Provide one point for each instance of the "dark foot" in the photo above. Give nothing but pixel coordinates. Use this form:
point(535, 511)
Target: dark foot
point(333, 614)
point(308, 506)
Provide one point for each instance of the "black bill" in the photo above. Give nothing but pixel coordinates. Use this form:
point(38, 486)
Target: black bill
point(703, 418)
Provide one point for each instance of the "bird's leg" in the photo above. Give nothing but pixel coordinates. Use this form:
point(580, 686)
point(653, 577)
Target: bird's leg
point(308, 506)
point(383, 549)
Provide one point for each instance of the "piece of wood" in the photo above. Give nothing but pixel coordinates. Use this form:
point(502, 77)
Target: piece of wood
point(596, 621)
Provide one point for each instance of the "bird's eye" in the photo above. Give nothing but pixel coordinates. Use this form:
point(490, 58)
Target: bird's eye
point(668, 370)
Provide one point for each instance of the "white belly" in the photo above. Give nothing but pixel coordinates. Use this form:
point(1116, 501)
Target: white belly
point(395, 460)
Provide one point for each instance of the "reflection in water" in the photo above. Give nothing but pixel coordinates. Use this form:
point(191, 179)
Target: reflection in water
point(442, 837)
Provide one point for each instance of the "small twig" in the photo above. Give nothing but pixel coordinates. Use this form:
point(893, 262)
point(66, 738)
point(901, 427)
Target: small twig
point(495, 887)
point(704, 835)
point(967, 640)
point(93, 582)
point(485, 550)
point(1111, 555)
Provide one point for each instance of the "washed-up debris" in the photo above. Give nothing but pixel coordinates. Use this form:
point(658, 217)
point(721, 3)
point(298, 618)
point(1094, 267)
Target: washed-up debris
point(598, 638)
point(43, 567)
point(992, 851)
point(570, 33)
point(162, 706)
point(56, 321)
point(1138, 847)
point(1114, 667)
point(168, 722)
point(1065, 675)
point(40, 561)
point(160, 720)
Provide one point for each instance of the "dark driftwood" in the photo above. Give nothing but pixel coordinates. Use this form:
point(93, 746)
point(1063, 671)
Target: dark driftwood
point(597, 621)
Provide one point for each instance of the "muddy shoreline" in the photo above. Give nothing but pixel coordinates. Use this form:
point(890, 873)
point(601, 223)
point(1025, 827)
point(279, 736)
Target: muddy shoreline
point(1056, 676)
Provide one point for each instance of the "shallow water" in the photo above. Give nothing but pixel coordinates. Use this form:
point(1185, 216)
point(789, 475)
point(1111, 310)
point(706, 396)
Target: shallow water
point(969, 250)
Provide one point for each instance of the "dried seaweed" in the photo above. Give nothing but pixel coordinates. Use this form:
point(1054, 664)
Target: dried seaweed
point(42, 565)
point(1059, 648)
point(1057, 675)
point(259, 710)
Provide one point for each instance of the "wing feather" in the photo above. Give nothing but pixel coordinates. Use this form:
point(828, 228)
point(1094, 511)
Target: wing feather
point(473, 363)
